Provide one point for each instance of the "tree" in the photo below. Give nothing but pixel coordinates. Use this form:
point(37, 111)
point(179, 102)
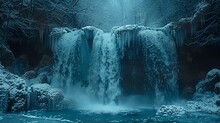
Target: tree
point(30, 18)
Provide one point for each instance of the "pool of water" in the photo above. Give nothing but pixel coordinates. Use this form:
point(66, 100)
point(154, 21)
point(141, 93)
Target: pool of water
point(79, 116)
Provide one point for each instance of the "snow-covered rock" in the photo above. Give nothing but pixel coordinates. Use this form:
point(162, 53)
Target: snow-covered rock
point(208, 84)
point(171, 110)
point(16, 90)
point(4, 87)
point(213, 74)
point(206, 98)
point(205, 103)
point(90, 33)
point(15, 96)
point(60, 31)
point(43, 96)
point(55, 36)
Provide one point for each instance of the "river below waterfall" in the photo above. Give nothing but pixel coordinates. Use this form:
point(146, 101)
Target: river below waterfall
point(124, 116)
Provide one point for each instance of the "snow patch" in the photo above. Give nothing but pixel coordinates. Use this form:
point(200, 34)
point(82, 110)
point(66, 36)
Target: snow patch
point(171, 110)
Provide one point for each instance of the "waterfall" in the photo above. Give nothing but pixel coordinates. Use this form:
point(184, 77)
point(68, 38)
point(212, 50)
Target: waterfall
point(128, 60)
point(71, 59)
point(104, 71)
point(159, 58)
point(160, 64)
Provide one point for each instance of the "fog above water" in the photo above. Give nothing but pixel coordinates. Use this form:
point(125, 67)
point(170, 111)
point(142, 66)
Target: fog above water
point(105, 14)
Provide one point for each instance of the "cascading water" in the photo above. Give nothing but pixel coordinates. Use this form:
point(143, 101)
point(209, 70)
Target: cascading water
point(159, 61)
point(71, 59)
point(104, 71)
point(160, 64)
point(96, 60)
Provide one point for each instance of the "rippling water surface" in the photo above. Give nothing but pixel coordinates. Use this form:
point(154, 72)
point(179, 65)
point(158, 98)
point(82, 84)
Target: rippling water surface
point(123, 116)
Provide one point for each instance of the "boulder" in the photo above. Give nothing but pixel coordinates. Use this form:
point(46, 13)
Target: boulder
point(213, 74)
point(207, 102)
point(208, 84)
point(15, 91)
point(171, 110)
point(16, 96)
point(4, 87)
point(43, 96)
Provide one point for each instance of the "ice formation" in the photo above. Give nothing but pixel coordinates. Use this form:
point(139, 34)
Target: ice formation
point(92, 58)
point(104, 70)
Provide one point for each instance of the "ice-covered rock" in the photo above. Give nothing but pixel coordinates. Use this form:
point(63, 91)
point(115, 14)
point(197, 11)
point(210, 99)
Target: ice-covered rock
point(90, 33)
point(15, 89)
point(127, 36)
point(4, 87)
point(15, 96)
point(55, 36)
point(206, 96)
point(43, 96)
point(208, 84)
point(171, 110)
point(205, 103)
point(213, 74)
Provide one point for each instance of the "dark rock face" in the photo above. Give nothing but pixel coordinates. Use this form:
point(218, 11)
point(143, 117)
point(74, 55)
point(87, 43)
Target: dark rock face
point(6, 56)
point(197, 39)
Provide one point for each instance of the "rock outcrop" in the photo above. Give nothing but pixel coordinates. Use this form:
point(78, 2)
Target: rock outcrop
point(209, 83)
point(43, 96)
point(206, 97)
point(16, 96)
point(15, 91)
